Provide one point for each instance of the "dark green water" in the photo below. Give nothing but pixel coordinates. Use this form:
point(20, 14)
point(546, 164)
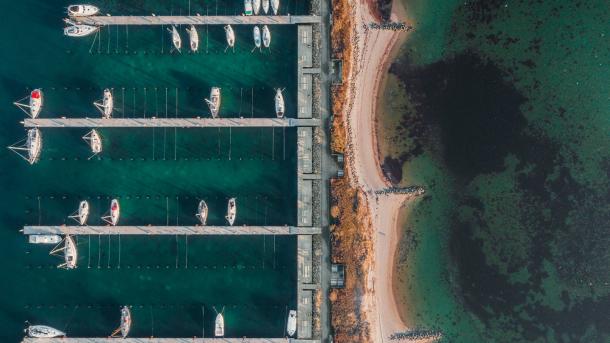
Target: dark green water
point(158, 174)
point(507, 125)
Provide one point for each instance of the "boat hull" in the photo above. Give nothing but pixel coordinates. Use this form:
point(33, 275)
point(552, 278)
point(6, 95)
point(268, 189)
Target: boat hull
point(266, 36)
point(43, 331)
point(257, 36)
point(194, 38)
point(219, 326)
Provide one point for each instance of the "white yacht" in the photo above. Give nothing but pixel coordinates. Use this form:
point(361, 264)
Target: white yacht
point(231, 211)
point(70, 253)
point(115, 212)
point(79, 30)
point(43, 331)
point(257, 36)
point(214, 101)
point(219, 325)
point(291, 326)
point(194, 38)
point(34, 104)
point(82, 10)
point(123, 329)
point(256, 4)
point(29, 148)
point(248, 7)
point(176, 40)
point(266, 36)
point(82, 214)
point(275, 5)
point(279, 103)
point(230, 35)
point(106, 106)
point(95, 141)
point(266, 6)
point(44, 239)
point(202, 212)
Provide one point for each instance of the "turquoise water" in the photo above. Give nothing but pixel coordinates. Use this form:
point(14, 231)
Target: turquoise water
point(159, 175)
point(506, 124)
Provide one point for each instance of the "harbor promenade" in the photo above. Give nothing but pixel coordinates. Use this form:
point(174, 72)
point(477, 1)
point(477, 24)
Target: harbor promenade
point(166, 122)
point(198, 20)
point(169, 230)
point(167, 340)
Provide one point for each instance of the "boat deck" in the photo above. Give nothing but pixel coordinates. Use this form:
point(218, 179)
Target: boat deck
point(199, 20)
point(167, 122)
point(170, 230)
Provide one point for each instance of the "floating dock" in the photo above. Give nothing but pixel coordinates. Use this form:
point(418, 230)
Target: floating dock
point(199, 20)
point(170, 230)
point(167, 340)
point(167, 122)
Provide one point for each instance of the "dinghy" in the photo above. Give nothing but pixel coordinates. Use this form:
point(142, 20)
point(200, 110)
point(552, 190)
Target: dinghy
point(279, 103)
point(275, 5)
point(95, 141)
point(291, 326)
point(34, 105)
point(257, 37)
point(202, 212)
point(106, 106)
point(214, 101)
point(82, 10)
point(230, 34)
point(248, 7)
point(256, 4)
point(176, 40)
point(82, 214)
point(266, 36)
point(194, 38)
point(43, 331)
point(231, 211)
point(115, 212)
point(266, 6)
point(123, 329)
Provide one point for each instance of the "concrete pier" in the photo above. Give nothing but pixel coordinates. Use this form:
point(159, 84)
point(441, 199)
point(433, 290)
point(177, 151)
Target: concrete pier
point(170, 230)
point(304, 63)
point(166, 340)
point(198, 20)
point(167, 122)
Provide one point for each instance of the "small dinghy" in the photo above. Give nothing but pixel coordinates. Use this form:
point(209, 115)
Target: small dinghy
point(266, 36)
point(115, 212)
point(95, 141)
point(202, 212)
point(70, 253)
point(29, 148)
point(275, 5)
point(106, 106)
point(79, 30)
point(123, 329)
point(214, 101)
point(279, 103)
point(82, 214)
point(82, 10)
point(43, 331)
point(176, 40)
point(44, 239)
point(291, 326)
point(34, 104)
point(194, 38)
point(231, 211)
point(266, 6)
point(256, 4)
point(257, 37)
point(248, 7)
point(230, 34)
point(219, 325)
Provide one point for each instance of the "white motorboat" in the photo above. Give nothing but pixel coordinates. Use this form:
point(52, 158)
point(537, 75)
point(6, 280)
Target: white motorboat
point(194, 38)
point(256, 4)
point(82, 10)
point(248, 7)
point(266, 36)
point(291, 326)
point(257, 36)
point(176, 40)
point(29, 148)
point(106, 106)
point(275, 5)
point(202, 212)
point(123, 329)
point(219, 325)
point(266, 6)
point(95, 141)
point(214, 101)
point(279, 103)
point(82, 214)
point(34, 104)
point(70, 253)
point(43, 331)
point(80, 30)
point(44, 239)
point(231, 211)
point(115, 212)
point(230, 34)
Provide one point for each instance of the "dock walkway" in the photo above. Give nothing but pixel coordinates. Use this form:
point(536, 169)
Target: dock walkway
point(167, 340)
point(167, 122)
point(199, 20)
point(170, 230)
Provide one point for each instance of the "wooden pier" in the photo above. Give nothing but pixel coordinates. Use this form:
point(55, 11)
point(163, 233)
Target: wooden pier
point(170, 230)
point(199, 20)
point(167, 122)
point(167, 340)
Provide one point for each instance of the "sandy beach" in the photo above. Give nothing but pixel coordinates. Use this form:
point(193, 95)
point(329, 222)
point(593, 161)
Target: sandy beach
point(372, 54)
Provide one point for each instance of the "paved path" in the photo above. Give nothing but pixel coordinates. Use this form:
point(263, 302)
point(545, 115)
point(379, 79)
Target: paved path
point(169, 122)
point(198, 20)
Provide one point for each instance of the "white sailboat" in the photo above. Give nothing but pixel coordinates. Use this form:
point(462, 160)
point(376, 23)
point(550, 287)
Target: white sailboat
point(219, 324)
point(256, 4)
point(266, 36)
point(291, 326)
point(70, 253)
point(231, 211)
point(176, 40)
point(43, 331)
point(279, 103)
point(82, 214)
point(230, 34)
point(257, 36)
point(44, 239)
point(202, 212)
point(214, 101)
point(29, 148)
point(82, 10)
point(275, 5)
point(194, 38)
point(248, 7)
point(266, 6)
point(106, 106)
point(115, 212)
point(78, 30)
point(123, 329)
point(34, 105)
point(95, 141)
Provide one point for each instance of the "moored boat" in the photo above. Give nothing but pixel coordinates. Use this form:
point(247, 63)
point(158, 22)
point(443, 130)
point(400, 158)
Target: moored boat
point(214, 101)
point(266, 6)
point(123, 329)
point(80, 30)
point(43, 331)
point(95, 141)
point(194, 38)
point(275, 5)
point(202, 212)
point(231, 211)
point(256, 4)
point(219, 325)
point(266, 36)
point(176, 39)
point(106, 106)
point(230, 35)
point(279, 103)
point(257, 36)
point(82, 214)
point(34, 104)
point(44, 239)
point(82, 10)
point(248, 7)
point(115, 212)
point(291, 326)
